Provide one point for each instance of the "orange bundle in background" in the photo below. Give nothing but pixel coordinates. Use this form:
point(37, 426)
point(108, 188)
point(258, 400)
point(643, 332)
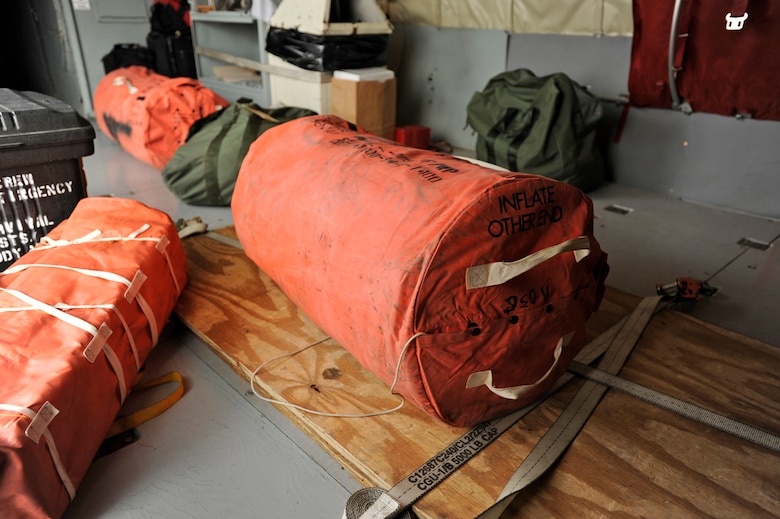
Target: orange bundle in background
point(149, 114)
point(79, 315)
point(474, 284)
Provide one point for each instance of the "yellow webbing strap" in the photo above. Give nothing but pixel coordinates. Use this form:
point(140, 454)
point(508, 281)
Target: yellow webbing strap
point(140, 416)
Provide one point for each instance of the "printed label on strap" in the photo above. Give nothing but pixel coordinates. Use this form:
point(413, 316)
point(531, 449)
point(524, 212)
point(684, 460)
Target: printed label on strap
point(41, 421)
point(95, 346)
point(162, 244)
point(135, 286)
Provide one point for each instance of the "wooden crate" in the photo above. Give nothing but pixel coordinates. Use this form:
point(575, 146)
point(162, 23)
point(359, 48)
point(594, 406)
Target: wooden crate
point(631, 459)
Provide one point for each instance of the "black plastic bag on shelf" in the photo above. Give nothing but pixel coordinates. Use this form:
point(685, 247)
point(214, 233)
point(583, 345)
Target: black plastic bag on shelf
point(325, 53)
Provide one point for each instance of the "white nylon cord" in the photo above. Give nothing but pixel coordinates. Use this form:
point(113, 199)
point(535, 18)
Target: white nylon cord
point(335, 415)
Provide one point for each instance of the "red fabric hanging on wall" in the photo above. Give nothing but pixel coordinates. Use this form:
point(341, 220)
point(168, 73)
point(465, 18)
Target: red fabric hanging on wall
point(722, 71)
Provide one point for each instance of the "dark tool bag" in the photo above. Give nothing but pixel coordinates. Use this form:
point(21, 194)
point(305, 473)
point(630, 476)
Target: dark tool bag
point(128, 54)
point(173, 54)
point(541, 125)
point(170, 39)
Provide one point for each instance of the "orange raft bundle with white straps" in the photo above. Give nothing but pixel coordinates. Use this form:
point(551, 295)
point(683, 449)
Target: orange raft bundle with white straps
point(79, 314)
point(473, 285)
point(149, 114)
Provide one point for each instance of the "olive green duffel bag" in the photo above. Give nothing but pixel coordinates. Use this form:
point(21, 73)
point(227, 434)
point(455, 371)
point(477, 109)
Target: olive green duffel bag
point(544, 125)
point(204, 169)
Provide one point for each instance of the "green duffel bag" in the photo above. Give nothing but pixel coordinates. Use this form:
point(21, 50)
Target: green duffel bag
point(204, 169)
point(541, 125)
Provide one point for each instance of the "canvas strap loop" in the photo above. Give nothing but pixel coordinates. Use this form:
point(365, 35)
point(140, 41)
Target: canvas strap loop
point(162, 244)
point(485, 378)
point(500, 272)
point(140, 416)
point(41, 421)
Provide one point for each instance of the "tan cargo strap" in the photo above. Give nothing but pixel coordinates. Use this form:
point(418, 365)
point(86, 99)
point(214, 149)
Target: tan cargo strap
point(376, 503)
point(681, 407)
point(565, 429)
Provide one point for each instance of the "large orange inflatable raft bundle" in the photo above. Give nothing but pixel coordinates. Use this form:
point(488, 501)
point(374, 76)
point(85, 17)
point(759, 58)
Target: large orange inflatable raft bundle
point(475, 283)
point(149, 114)
point(79, 314)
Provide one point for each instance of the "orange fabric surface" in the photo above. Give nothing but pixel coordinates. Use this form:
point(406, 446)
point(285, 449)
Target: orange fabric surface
point(149, 114)
point(372, 240)
point(45, 359)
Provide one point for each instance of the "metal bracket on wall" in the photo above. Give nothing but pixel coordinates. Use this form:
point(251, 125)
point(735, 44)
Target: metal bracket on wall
point(677, 102)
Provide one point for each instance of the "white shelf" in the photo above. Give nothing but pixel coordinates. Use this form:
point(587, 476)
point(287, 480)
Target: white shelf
point(231, 37)
point(222, 16)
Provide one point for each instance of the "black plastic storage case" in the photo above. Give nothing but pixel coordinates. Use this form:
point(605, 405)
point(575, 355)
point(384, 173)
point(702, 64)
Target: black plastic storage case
point(42, 141)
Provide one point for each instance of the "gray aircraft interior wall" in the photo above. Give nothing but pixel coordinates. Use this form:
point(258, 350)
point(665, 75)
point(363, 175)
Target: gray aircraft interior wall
point(703, 158)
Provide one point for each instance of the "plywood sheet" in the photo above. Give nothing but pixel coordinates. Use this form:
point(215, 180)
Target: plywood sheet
point(631, 458)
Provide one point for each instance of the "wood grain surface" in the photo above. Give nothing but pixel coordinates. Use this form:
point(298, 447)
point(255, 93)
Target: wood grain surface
point(631, 460)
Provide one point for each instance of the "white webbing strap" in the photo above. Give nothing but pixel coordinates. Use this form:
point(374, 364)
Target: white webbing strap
point(162, 248)
point(59, 314)
point(63, 306)
point(47, 242)
point(39, 428)
point(113, 308)
point(500, 272)
point(145, 227)
point(160, 243)
point(485, 378)
point(133, 287)
point(99, 336)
